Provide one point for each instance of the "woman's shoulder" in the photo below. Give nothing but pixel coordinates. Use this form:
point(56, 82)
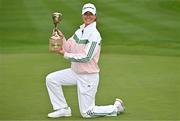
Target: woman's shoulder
point(95, 32)
point(95, 36)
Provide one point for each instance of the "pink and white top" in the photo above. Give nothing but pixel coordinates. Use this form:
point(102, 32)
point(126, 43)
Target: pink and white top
point(83, 49)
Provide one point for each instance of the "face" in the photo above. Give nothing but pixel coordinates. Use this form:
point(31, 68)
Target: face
point(88, 18)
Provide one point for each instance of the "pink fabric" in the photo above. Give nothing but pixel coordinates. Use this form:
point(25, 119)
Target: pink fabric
point(70, 46)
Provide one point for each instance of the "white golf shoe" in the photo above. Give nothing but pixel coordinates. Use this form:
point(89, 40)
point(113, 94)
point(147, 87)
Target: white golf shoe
point(65, 112)
point(119, 105)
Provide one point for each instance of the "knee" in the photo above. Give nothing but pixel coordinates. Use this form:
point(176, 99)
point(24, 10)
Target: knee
point(88, 114)
point(85, 115)
point(48, 79)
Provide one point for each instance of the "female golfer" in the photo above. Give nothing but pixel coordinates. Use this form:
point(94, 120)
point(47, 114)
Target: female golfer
point(83, 51)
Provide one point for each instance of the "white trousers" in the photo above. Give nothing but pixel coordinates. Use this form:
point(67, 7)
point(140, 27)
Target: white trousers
point(87, 85)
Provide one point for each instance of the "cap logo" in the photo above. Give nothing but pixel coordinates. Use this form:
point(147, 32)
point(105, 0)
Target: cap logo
point(88, 7)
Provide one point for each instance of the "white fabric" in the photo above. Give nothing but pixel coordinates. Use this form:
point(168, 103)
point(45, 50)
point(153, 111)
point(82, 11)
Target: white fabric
point(87, 85)
point(84, 57)
point(89, 7)
point(89, 33)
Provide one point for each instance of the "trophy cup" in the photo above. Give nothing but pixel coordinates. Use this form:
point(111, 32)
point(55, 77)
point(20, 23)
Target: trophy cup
point(56, 19)
point(55, 41)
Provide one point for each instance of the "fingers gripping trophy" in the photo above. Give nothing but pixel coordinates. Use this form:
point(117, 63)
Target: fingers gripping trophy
point(56, 40)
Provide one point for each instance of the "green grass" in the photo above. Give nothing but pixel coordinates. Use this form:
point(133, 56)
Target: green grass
point(147, 84)
point(140, 60)
point(122, 22)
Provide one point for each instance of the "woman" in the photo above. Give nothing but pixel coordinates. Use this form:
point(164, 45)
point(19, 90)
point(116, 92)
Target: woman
point(83, 50)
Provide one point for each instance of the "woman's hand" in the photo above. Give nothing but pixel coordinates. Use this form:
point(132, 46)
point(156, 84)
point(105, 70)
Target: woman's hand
point(61, 51)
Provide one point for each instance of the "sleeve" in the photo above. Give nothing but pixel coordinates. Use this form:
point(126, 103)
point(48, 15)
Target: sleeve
point(88, 53)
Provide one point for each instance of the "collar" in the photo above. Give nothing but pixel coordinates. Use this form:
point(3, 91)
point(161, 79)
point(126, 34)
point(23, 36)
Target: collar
point(92, 25)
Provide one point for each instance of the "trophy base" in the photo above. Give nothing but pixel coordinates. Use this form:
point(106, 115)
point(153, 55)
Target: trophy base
point(54, 48)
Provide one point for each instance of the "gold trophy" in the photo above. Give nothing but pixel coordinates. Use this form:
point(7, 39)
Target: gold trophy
point(55, 42)
point(56, 19)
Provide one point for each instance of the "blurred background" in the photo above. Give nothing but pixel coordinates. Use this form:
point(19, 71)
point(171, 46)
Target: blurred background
point(124, 23)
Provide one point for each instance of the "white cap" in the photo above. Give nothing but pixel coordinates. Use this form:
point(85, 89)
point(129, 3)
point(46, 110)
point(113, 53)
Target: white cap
point(89, 7)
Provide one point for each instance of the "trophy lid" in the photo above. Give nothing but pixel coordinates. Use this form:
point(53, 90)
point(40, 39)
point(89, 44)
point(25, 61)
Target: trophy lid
point(57, 14)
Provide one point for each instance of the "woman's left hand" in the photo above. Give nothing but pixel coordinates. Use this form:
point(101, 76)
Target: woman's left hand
point(61, 51)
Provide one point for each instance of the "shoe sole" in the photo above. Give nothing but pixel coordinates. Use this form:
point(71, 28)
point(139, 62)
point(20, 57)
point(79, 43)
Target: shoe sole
point(68, 115)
